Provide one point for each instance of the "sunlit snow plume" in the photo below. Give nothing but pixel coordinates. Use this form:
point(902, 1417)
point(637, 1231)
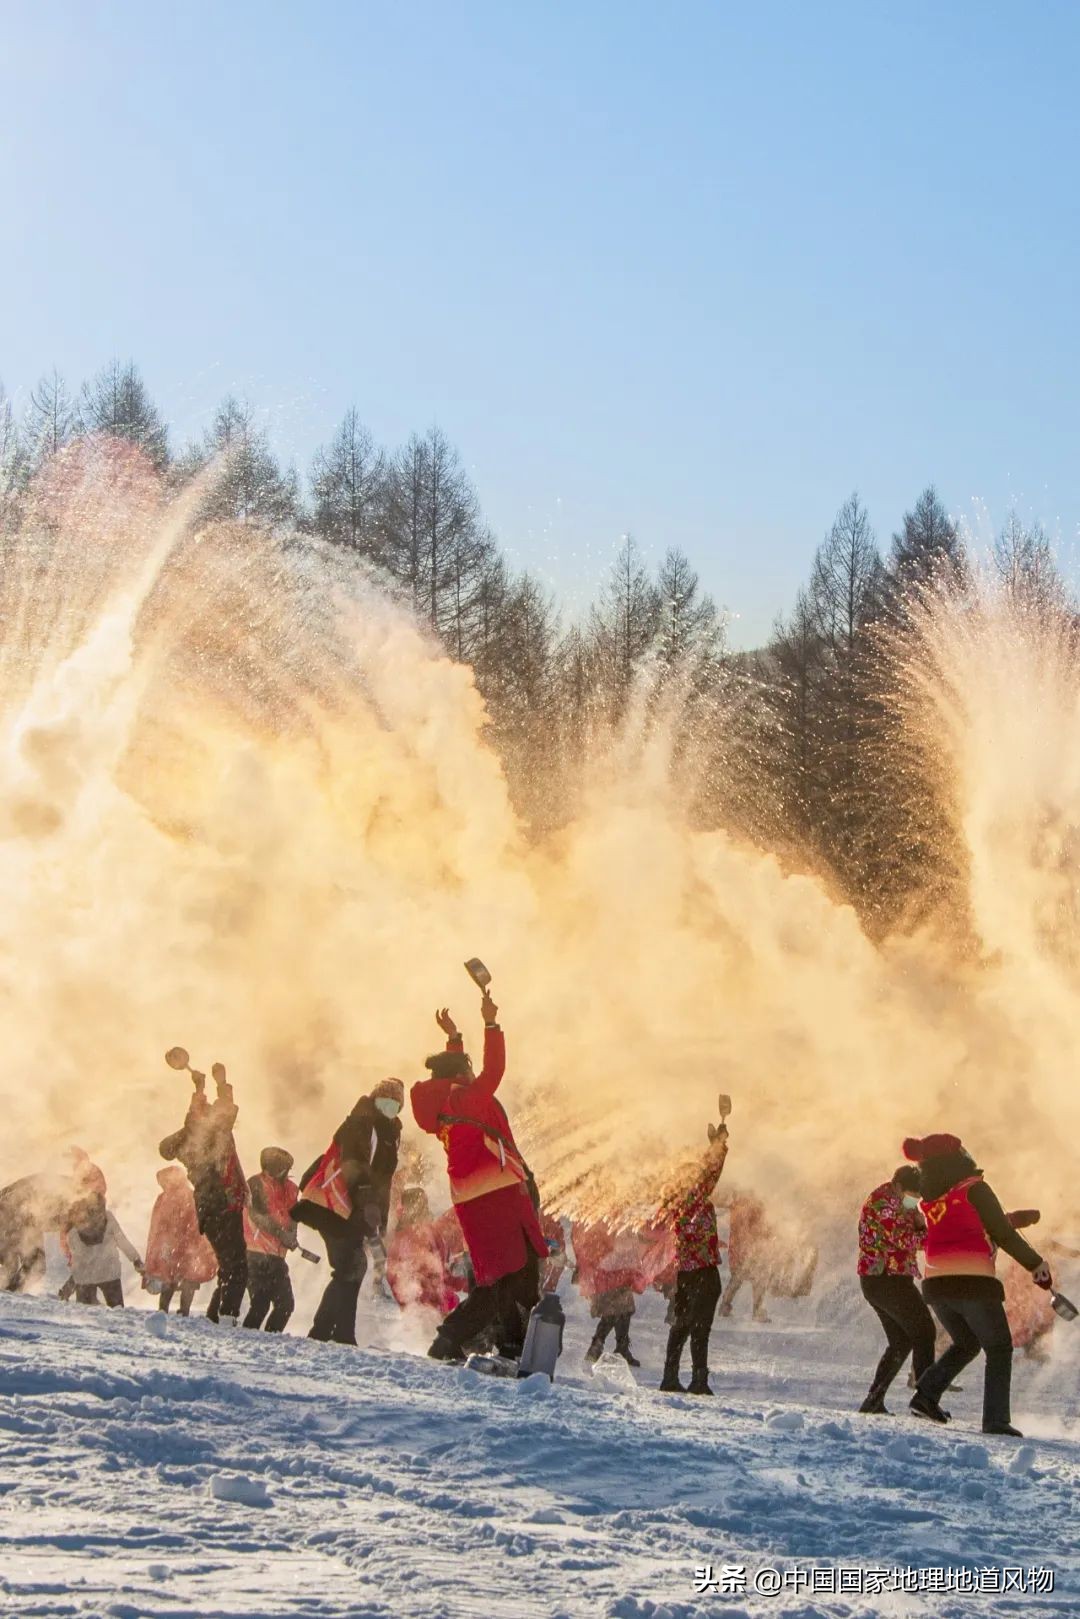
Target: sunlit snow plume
point(247, 805)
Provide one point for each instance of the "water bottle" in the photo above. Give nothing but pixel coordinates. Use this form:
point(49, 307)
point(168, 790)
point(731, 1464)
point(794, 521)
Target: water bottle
point(543, 1338)
point(1065, 1308)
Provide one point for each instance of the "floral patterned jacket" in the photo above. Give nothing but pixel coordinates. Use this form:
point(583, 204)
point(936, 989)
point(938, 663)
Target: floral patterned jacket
point(890, 1235)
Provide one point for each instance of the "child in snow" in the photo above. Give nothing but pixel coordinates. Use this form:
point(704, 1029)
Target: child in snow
point(96, 1243)
point(423, 1258)
point(689, 1211)
point(178, 1256)
point(609, 1273)
point(87, 1185)
point(270, 1233)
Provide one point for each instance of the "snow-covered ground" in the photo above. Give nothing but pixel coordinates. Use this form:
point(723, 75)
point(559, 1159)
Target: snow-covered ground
point(165, 1467)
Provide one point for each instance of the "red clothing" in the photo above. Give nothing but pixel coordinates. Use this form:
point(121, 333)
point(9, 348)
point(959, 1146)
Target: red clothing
point(486, 1170)
point(956, 1242)
point(692, 1217)
point(890, 1235)
point(418, 1260)
point(276, 1197)
point(608, 1261)
point(176, 1250)
point(481, 1153)
point(499, 1230)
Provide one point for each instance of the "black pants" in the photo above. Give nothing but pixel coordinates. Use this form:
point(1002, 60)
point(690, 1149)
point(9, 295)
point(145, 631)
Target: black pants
point(335, 1319)
point(697, 1293)
point(270, 1289)
point(502, 1308)
point(111, 1292)
point(973, 1323)
point(909, 1328)
point(223, 1229)
point(620, 1325)
point(187, 1290)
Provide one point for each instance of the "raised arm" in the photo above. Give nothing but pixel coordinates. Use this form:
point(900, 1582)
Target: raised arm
point(494, 1049)
point(713, 1166)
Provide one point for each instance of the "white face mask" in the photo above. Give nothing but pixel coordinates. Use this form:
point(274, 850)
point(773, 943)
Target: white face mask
point(388, 1107)
point(910, 1201)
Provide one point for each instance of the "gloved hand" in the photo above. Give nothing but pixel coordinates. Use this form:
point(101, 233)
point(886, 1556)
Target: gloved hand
point(1041, 1275)
point(718, 1132)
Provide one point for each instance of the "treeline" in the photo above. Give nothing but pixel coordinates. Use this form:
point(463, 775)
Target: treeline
point(801, 746)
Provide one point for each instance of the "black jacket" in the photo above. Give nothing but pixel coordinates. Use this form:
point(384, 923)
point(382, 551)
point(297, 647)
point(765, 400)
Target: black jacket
point(369, 1153)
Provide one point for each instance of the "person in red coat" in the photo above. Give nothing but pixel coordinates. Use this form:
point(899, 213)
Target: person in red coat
point(490, 1186)
point(420, 1257)
point(177, 1253)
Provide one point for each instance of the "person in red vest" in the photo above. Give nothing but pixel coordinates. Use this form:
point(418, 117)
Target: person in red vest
point(346, 1199)
point(205, 1146)
point(178, 1256)
point(690, 1212)
point(965, 1226)
point(891, 1231)
point(491, 1188)
point(269, 1234)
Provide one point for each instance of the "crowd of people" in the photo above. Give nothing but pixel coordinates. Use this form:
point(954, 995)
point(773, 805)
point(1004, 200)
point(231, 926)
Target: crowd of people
point(483, 1264)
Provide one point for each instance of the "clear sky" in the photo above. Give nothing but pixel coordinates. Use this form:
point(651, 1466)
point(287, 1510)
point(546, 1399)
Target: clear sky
point(693, 271)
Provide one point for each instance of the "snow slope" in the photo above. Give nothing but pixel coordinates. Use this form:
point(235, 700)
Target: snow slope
point(163, 1467)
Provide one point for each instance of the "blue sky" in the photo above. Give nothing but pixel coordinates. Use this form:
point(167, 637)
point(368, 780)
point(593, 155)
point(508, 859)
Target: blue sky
point(691, 271)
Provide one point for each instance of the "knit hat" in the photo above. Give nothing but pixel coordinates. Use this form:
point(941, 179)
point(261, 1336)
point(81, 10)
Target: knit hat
point(392, 1088)
point(931, 1147)
point(275, 1161)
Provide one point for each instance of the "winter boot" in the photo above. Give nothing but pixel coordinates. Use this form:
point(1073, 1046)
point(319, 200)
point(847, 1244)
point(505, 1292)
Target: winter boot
point(595, 1350)
point(443, 1349)
point(923, 1406)
point(622, 1343)
point(874, 1406)
point(699, 1383)
point(670, 1383)
point(1005, 1428)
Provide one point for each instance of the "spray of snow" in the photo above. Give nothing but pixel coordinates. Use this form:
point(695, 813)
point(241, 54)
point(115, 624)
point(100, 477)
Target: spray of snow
point(247, 805)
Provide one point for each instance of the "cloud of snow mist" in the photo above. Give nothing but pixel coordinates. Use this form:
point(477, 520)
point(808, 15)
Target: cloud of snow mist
point(247, 806)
